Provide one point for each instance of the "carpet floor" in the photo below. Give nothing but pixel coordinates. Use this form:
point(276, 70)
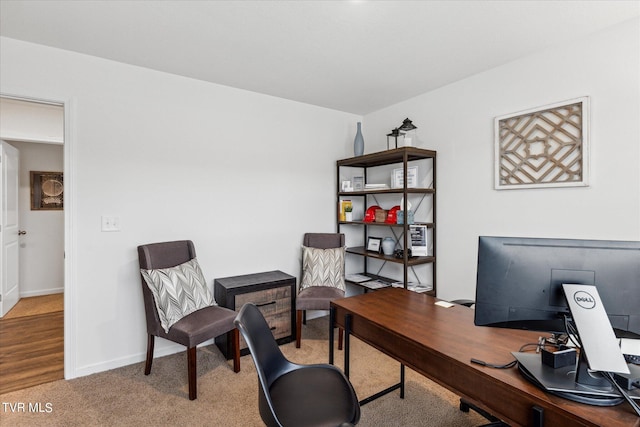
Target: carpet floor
point(126, 397)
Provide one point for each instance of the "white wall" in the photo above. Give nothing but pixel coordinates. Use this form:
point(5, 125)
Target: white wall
point(457, 121)
point(241, 174)
point(42, 248)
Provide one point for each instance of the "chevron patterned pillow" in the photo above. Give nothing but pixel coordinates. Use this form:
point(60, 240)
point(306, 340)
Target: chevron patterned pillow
point(323, 267)
point(178, 291)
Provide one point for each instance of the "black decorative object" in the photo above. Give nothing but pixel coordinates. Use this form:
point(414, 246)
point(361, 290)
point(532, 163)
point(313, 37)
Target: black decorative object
point(395, 133)
point(410, 132)
point(407, 125)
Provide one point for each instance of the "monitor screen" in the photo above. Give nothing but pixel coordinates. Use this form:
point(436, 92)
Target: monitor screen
point(519, 281)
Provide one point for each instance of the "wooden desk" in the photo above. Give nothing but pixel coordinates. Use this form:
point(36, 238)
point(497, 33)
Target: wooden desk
point(439, 342)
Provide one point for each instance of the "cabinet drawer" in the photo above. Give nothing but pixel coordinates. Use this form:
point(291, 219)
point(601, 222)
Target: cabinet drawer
point(280, 325)
point(275, 305)
point(265, 297)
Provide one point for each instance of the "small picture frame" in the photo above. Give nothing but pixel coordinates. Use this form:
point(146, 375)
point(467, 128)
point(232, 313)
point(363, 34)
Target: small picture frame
point(397, 177)
point(358, 183)
point(47, 191)
point(374, 244)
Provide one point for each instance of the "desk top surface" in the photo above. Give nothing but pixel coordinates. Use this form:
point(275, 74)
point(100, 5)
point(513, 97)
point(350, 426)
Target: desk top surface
point(411, 318)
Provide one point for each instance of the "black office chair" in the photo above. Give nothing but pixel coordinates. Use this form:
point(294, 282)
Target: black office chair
point(293, 395)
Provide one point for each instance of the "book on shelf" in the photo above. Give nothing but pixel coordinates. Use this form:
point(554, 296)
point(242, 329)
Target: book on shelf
point(357, 278)
point(375, 284)
point(414, 286)
point(376, 186)
point(419, 243)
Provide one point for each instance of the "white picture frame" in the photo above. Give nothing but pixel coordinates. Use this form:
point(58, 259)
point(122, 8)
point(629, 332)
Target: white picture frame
point(397, 177)
point(543, 147)
point(358, 183)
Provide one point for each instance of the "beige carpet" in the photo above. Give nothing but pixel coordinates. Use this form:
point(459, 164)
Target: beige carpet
point(126, 397)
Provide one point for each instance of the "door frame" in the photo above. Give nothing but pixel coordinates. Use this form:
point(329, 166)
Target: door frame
point(70, 238)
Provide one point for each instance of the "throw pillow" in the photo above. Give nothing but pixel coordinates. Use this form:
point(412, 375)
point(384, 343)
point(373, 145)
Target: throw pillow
point(178, 291)
point(323, 267)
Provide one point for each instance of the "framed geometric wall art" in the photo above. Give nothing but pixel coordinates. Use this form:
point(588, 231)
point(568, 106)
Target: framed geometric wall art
point(543, 147)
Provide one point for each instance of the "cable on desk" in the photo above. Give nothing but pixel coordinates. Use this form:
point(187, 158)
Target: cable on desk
point(538, 345)
point(625, 395)
point(491, 365)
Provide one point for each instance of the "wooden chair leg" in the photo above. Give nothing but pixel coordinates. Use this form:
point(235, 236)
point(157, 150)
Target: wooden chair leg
point(147, 365)
point(298, 327)
point(191, 368)
point(236, 349)
point(340, 338)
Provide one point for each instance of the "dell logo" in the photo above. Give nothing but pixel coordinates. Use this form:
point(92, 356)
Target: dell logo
point(584, 300)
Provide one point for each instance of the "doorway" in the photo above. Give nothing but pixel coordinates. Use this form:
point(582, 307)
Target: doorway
point(36, 130)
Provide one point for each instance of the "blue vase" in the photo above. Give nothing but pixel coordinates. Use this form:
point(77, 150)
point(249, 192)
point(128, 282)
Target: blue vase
point(388, 246)
point(358, 142)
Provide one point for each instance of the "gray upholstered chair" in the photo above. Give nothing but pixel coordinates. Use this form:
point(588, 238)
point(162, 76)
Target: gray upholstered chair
point(194, 328)
point(290, 394)
point(317, 297)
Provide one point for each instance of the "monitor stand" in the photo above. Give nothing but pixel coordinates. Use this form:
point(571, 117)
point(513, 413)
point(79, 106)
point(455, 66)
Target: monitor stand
point(562, 382)
point(598, 345)
point(587, 377)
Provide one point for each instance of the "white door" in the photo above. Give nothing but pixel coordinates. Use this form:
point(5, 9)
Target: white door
point(10, 292)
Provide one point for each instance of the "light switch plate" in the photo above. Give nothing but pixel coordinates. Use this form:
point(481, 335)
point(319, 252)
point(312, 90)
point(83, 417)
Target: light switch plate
point(110, 223)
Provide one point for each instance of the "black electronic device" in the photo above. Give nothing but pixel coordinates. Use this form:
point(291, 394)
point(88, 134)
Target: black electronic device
point(520, 286)
point(519, 281)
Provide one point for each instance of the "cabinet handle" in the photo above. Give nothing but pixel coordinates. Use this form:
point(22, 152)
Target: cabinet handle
point(265, 303)
point(273, 328)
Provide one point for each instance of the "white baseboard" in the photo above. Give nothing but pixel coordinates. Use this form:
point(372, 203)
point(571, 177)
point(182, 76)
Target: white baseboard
point(159, 351)
point(41, 292)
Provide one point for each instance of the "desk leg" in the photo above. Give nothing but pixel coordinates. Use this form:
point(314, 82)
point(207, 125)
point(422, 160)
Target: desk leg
point(347, 333)
point(538, 416)
point(332, 319)
point(401, 381)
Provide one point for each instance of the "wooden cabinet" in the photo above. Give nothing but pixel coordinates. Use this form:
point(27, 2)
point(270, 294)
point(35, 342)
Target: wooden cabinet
point(378, 174)
point(273, 292)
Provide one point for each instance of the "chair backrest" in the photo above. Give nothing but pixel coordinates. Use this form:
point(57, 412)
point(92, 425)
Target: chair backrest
point(267, 356)
point(155, 256)
point(323, 240)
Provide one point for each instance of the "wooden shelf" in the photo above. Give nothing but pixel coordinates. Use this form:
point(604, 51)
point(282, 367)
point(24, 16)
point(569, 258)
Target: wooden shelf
point(388, 191)
point(386, 224)
point(387, 157)
point(416, 260)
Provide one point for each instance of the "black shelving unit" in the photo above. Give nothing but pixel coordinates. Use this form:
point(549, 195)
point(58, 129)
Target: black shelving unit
point(365, 166)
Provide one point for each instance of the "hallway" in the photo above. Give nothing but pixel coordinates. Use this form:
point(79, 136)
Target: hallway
point(32, 343)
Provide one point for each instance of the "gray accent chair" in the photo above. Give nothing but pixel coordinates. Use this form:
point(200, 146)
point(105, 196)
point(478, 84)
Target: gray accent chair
point(193, 329)
point(318, 297)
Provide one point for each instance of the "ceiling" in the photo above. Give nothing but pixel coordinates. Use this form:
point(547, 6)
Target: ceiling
point(353, 56)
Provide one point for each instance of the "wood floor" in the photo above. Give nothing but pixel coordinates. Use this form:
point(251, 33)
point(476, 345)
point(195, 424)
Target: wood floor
point(32, 343)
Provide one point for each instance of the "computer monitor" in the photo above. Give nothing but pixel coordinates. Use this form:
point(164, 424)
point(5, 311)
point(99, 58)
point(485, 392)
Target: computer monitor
point(519, 281)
